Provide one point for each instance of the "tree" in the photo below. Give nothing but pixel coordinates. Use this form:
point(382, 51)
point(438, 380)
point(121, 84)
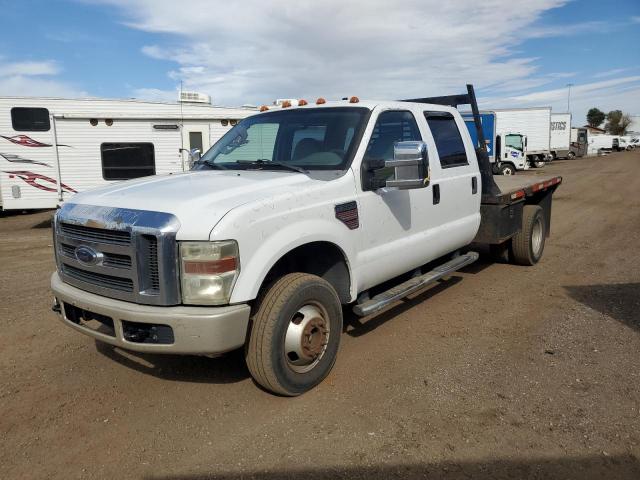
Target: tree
point(617, 122)
point(595, 117)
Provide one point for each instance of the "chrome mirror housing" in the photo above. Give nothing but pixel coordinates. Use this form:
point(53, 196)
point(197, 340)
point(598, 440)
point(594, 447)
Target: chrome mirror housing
point(411, 165)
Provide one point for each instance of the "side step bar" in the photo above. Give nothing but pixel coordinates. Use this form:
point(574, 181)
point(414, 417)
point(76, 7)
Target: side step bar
point(414, 284)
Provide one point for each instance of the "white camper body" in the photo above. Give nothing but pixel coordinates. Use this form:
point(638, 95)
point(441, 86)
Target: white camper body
point(52, 148)
point(560, 135)
point(599, 144)
point(534, 122)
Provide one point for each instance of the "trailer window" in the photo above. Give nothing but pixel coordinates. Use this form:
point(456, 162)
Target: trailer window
point(123, 161)
point(27, 119)
point(448, 139)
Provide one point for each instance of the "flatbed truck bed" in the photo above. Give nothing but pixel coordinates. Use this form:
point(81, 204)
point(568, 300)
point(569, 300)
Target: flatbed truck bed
point(516, 187)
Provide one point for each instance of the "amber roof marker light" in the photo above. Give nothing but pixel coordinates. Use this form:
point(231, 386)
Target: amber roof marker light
point(320, 101)
point(354, 100)
point(264, 108)
point(302, 102)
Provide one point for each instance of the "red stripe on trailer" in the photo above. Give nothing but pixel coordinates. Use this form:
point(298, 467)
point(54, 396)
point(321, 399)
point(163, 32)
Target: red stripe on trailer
point(518, 194)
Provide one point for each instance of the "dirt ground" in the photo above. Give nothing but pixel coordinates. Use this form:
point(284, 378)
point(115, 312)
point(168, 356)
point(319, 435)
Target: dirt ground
point(501, 372)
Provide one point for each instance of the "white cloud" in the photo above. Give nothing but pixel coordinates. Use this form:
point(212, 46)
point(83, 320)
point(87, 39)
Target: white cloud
point(611, 73)
point(569, 30)
point(29, 68)
point(618, 93)
point(255, 51)
point(34, 78)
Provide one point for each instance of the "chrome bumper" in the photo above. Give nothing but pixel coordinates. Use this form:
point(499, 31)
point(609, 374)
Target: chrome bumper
point(194, 330)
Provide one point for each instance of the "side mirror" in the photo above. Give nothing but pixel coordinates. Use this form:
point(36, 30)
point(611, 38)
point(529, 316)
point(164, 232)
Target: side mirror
point(411, 165)
point(195, 154)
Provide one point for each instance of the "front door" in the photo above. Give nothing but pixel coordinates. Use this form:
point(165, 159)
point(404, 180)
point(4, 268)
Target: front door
point(194, 137)
point(395, 224)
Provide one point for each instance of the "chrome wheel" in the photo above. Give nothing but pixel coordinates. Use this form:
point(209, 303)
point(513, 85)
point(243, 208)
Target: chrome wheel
point(307, 337)
point(537, 237)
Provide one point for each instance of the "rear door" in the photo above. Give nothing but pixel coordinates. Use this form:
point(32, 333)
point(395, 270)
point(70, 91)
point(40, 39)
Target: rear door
point(458, 183)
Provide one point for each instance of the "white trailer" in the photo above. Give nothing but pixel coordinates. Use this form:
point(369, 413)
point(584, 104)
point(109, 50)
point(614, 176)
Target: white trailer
point(601, 144)
point(535, 124)
point(52, 148)
point(560, 135)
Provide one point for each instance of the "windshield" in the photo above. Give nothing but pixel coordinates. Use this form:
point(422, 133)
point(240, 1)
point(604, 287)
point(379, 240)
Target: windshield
point(514, 141)
point(300, 139)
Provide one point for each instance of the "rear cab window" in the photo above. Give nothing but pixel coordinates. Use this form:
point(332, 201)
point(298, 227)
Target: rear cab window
point(448, 139)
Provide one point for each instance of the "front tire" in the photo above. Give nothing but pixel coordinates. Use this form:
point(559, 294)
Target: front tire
point(507, 169)
point(571, 155)
point(295, 334)
point(528, 244)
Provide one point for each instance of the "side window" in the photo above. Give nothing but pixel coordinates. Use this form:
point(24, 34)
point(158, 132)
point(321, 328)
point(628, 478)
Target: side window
point(30, 119)
point(391, 127)
point(123, 161)
point(448, 139)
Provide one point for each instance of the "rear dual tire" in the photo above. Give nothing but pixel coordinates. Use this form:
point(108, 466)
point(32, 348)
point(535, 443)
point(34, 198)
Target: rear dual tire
point(528, 244)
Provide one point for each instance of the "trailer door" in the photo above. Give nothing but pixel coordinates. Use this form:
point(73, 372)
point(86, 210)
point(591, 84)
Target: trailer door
point(194, 136)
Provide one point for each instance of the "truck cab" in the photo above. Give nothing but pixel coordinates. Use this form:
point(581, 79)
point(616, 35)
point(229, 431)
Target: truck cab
point(514, 153)
point(506, 150)
point(292, 214)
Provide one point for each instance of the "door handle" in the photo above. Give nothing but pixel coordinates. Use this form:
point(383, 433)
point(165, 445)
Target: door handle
point(436, 194)
point(474, 185)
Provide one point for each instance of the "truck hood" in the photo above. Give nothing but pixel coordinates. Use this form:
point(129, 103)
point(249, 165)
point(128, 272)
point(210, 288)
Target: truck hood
point(199, 199)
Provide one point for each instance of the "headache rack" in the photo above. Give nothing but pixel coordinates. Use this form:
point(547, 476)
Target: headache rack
point(489, 187)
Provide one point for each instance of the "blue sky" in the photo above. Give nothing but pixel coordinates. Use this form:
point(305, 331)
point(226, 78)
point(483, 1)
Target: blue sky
point(517, 53)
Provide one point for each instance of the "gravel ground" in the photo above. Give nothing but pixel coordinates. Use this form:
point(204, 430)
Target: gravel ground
point(501, 372)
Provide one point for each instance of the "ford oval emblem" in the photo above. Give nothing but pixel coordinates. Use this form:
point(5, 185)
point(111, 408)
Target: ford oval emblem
point(87, 255)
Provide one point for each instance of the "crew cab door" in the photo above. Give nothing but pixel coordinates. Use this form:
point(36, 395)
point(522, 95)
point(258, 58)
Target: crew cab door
point(458, 181)
point(395, 224)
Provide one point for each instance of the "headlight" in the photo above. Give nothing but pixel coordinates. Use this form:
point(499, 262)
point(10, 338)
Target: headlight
point(208, 271)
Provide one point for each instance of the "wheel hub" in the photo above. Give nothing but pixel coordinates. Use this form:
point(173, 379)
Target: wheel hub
point(306, 338)
point(537, 237)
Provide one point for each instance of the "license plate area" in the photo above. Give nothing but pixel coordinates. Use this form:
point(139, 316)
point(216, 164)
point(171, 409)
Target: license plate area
point(90, 320)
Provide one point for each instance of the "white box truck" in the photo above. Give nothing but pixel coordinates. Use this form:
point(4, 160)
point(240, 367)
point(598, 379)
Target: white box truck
point(560, 136)
point(535, 124)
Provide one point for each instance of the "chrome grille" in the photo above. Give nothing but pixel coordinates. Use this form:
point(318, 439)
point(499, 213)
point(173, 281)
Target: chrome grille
point(134, 253)
point(152, 262)
point(79, 232)
point(110, 259)
point(98, 279)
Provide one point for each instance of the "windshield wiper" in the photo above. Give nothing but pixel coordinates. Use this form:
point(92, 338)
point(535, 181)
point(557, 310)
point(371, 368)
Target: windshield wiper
point(213, 165)
point(268, 163)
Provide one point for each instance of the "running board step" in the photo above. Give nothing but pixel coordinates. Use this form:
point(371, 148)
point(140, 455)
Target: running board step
point(414, 284)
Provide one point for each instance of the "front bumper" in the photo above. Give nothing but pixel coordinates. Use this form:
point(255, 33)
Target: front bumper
point(193, 330)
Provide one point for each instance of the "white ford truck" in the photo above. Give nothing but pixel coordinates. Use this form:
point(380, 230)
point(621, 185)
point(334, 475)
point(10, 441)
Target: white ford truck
point(293, 214)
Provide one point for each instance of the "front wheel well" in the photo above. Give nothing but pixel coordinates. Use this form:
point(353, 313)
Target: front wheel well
point(324, 259)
